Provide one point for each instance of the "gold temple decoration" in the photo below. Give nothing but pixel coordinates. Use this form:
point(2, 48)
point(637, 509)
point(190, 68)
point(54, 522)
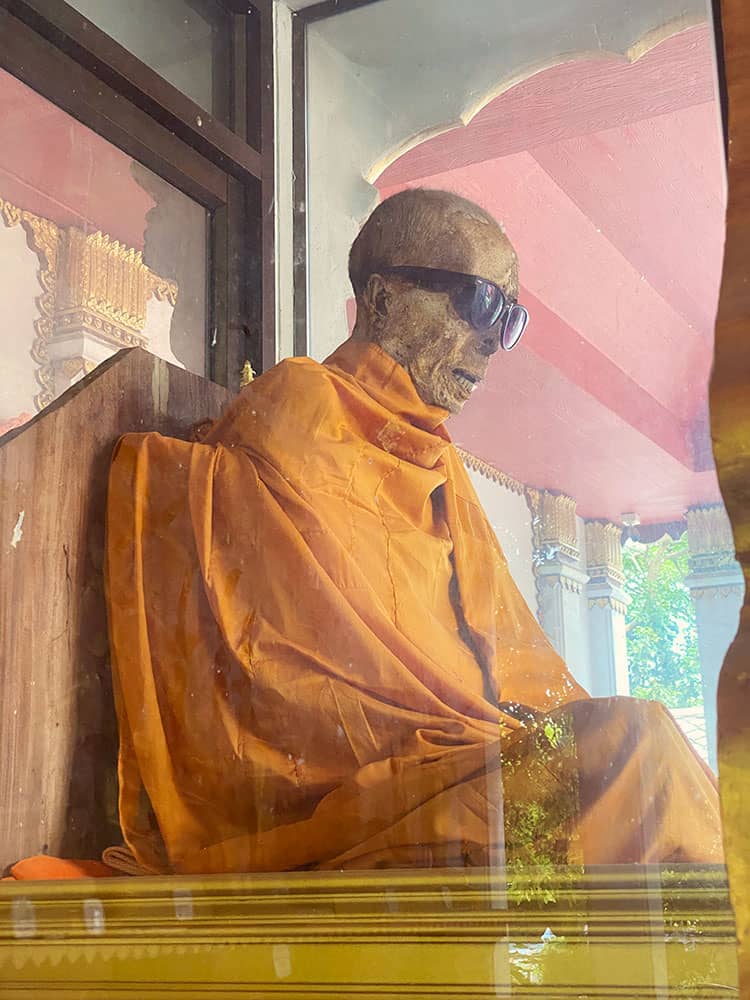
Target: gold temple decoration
point(490, 472)
point(573, 584)
point(712, 557)
point(90, 283)
point(163, 289)
point(556, 551)
point(102, 282)
point(553, 523)
point(608, 602)
point(75, 367)
point(604, 551)
point(710, 540)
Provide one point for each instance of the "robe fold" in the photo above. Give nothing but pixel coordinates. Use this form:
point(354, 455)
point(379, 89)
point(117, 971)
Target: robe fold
point(318, 655)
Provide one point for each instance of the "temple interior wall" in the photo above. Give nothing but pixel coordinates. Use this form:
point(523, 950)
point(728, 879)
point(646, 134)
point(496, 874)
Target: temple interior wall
point(510, 518)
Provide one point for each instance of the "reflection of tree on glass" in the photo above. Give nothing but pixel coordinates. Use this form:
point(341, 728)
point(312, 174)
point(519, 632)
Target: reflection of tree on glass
point(321, 657)
point(663, 656)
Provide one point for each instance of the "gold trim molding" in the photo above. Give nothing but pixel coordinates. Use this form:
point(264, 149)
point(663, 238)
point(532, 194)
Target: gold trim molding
point(560, 580)
point(611, 932)
point(609, 601)
point(490, 472)
point(95, 323)
point(89, 282)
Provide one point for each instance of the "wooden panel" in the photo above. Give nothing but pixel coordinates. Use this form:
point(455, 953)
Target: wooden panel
point(57, 727)
point(730, 423)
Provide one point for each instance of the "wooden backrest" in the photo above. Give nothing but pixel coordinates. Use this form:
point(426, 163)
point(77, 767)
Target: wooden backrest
point(58, 732)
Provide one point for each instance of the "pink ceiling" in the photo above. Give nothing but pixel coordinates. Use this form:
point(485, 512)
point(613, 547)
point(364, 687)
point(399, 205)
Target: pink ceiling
point(608, 178)
point(55, 167)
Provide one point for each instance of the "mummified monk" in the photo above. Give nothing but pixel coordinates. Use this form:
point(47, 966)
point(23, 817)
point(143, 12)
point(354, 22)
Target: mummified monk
point(321, 659)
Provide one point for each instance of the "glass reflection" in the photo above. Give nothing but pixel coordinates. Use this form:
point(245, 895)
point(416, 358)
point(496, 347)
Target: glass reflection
point(340, 643)
point(98, 254)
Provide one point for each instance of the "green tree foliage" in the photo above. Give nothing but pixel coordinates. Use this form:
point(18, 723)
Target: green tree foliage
point(662, 638)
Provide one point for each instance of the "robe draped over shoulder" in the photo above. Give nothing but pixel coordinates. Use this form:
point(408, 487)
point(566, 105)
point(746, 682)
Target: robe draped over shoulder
point(313, 628)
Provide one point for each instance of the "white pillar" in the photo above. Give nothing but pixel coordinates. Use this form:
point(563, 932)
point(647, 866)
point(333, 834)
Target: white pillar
point(607, 604)
point(560, 578)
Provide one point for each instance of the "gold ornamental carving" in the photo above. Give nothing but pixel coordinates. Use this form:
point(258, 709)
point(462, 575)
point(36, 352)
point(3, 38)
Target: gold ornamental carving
point(709, 533)
point(115, 334)
point(604, 551)
point(490, 472)
point(553, 522)
point(89, 282)
point(609, 601)
point(560, 581)
point(102, 276)
point(75, 367)
point(163, 289)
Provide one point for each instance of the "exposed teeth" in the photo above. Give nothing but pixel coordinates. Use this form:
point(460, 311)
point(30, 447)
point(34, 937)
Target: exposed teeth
point(466, 383)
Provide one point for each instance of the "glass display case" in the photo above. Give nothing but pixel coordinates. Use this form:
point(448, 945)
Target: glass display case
point(370, 592)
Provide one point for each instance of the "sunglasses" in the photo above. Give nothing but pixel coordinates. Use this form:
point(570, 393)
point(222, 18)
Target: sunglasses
point(479, 302)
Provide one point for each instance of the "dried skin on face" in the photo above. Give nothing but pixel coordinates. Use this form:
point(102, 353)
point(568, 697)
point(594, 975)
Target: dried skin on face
point(441, 353)
point(420, 329)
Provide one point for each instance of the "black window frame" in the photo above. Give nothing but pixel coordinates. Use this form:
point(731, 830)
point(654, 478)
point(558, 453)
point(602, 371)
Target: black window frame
point(59, 53)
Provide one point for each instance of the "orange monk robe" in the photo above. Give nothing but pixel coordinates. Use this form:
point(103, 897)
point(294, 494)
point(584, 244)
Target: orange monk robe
point(312, 625)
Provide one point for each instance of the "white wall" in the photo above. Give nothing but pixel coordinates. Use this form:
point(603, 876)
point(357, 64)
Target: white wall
point(510, 517)
point(158, 328)
point(18, 310)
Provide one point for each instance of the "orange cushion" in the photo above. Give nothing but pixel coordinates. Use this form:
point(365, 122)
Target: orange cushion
point(42, 867)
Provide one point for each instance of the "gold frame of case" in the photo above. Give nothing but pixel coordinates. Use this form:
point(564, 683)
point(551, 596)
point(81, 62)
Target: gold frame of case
point(610, 932)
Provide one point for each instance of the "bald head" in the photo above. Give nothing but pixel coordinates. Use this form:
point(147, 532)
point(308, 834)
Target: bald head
point(424, 228)
point(417, 325)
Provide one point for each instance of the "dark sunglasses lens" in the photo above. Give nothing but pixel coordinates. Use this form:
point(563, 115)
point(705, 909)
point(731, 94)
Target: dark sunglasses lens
point(462, 297)
point(487, 305)
point(514, 326)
